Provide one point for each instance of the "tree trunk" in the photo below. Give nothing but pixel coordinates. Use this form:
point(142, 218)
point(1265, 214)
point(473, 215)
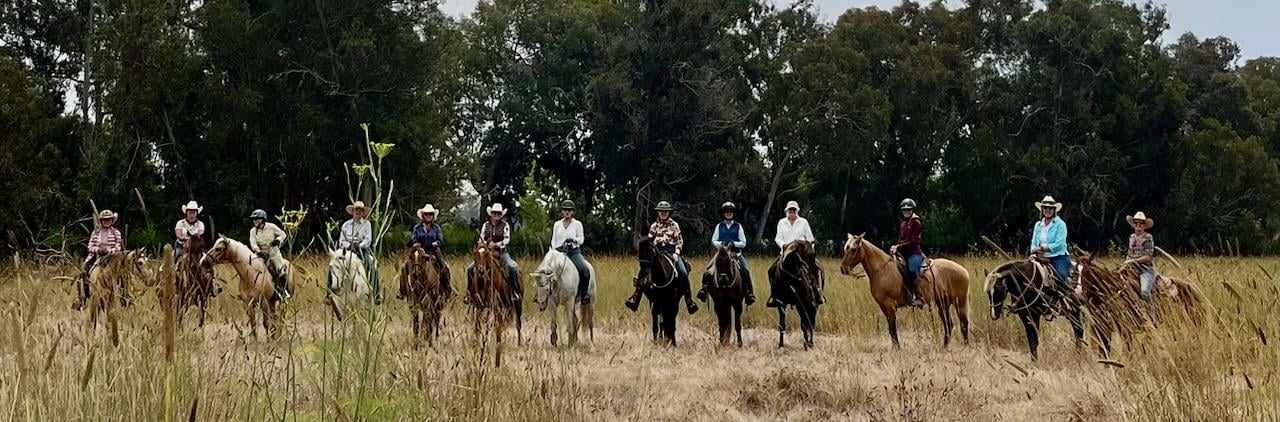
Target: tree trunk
point(773, 192)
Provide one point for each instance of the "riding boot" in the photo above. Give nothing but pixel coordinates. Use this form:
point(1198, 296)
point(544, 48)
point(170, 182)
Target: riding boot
point(633, 302)
point(689, 303)
point(913, 293)
point(702, 292)
point(748, 288)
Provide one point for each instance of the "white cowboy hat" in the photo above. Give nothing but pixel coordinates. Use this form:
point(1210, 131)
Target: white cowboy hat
point(358, 205)
point(792, 205)
point(106, 215)
point(192, 206)
point(1140, 217)
point(497, 208)
point(428, 209)
point(1048, 201)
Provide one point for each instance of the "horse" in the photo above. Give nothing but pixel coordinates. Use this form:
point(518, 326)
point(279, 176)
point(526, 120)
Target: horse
point(724, 284)
point(347, 274)
point(1114, 300)
point(256, 287)
point(944, 283)
point(194, 279)
point(491, 297)
point(1023, 284)
point(110, 277)
point(662, 289)
point(422, 285)
point(799, 281)
point(557, 283)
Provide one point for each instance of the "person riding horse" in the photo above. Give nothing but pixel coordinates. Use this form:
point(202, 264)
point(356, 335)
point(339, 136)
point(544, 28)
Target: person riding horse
point(189, 226)
point(567, 237)
point(1142, 249)
point(265, 240)
point(496, 235)
point(1049, 243)
point(357, 236)
point(729, 233)
point(910, 248)
point(793, 228)
point(666, 237)
point(428, 235)
point(105, 240)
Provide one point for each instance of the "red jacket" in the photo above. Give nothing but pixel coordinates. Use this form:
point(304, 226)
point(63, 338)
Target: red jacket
point(911, 236)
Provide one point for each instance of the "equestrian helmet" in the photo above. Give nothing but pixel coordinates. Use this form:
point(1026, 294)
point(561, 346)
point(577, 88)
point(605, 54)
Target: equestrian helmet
point(566, 205)
point(908, 204)
point(663, 206)
point(258, 215)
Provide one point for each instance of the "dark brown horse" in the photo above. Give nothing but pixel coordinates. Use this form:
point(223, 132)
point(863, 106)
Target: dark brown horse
point(194, 279)
point(723, 281)
point(1024, 288)
point(799, 280)
point(1114, 300)
point(424, 287)
point(492, 298)
point(663, 289)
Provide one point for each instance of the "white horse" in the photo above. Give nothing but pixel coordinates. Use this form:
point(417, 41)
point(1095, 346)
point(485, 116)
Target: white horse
point(557, 281)
point(347, 274)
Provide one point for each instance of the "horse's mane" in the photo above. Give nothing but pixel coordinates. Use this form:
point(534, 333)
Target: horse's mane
point(996, 273)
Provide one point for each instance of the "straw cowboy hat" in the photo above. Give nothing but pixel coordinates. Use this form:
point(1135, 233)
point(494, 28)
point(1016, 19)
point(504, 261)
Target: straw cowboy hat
point(358, 205)
point(1048, 201)
point(792, 205)
point(106, 215)
point(497, 208)
point(192, 206)
point(427, 210)
point(1140, 217)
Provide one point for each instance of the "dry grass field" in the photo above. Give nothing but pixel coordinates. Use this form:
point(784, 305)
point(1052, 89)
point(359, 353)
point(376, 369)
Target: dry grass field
point(365, 368)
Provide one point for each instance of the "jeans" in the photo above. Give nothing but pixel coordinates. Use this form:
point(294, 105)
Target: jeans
point(681, 270)
point(579, 262)
point(914, 262)
point(1148, 278)
point(1062, 266)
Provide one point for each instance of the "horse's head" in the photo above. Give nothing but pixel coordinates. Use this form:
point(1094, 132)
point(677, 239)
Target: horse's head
point(218, 252)
point(998, 287)
point(194, 245)
point(137, 259)
point(341, 259)
point(644, 249)
point(853, 248)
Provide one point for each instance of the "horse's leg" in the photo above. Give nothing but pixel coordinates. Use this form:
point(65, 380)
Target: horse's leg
point(653, 313)
point(555, 324)
point(572, 312)
point(891, 319)
point(944, 317)
point(782, 325)
point(115, 327)
point(253, 318)
point(519, 313)
point(737, 322)
point(1031, 324)
point(1076, 319)
point(808, 323)
point(417, 337)
point(962, 313)
point(723, 317)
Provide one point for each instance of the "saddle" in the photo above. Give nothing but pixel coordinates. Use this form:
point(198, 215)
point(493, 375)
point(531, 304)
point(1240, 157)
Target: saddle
point(905, 272)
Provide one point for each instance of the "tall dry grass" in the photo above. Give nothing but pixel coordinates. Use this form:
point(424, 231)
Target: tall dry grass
point(52, 368)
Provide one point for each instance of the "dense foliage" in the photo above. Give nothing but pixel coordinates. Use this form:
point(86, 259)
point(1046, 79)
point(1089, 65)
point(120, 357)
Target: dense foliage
point(975, 112)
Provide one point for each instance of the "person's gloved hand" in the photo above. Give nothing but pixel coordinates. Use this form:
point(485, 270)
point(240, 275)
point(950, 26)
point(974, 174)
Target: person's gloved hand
point(275, 243)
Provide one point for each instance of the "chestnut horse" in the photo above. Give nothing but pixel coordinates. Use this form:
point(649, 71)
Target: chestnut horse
point(945, 284)
point(724, 283)
point(1114, 301)
point(110, 277)
point(194, 279)
point(422, 285)
point(256, 287)
point(492, 298)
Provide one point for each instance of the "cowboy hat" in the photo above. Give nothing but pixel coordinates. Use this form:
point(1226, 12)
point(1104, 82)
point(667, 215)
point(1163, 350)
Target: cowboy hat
point(106, 215)
point(428, 209)
point(663, 206)
point(728, 206)
point(497, 208)
point(566, 205)
point(1049, 202)
point(1140, 217)
point(192, 206)
point(358, 205)
point(792, 205)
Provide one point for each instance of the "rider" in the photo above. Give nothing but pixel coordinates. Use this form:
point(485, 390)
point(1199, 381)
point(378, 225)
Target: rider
point(667, 240)
point(1142, 249)
point(791, 228)
point(567, 237)
point(105, 240)
point(496, 234)
point(265, 240)
point(357, 236)
point(729, 233)
point(1049, 242)
point(910, 239)
point(190, 225)
point(428, 235)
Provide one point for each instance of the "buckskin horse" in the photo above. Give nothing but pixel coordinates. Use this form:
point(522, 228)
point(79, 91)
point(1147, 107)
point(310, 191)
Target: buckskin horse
point(1025, 286)
point(257, 290)
point(799, 281)
point(944, 284)
point(662, 288)
point(423, 286)
point(194, 280)
point(724, 283)
point(557, 283)
point(492, 298)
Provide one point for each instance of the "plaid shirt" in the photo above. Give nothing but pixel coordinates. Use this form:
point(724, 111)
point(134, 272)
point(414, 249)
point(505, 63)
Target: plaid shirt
point(105, 240)
point(1141, 246)
point(666, 236)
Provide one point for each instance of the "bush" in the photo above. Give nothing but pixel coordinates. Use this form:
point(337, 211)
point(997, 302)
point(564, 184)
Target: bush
point(458, 238)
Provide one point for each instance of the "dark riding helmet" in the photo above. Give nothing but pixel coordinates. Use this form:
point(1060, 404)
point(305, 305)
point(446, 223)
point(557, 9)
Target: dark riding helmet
point(258, 215)
point(908, 204)
point(566, 205)
point(663, 206)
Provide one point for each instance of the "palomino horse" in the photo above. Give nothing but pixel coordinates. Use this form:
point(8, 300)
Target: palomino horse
point(422, 285)
point(194, 279)
point(1025, 286)
point(110, 277)
point(799, 281)
point(1114, 300)
point(256, 287)
point(944, 284)
point(663, 289)
point(557, 282)
point(724, 283)
point(492, 298)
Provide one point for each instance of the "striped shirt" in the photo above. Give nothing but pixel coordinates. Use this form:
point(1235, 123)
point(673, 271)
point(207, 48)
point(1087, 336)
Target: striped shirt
point(105, 240)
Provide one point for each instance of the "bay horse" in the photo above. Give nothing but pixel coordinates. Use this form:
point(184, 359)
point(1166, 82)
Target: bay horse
point(662, 287)
point(492, 298)
point(423, 286)
point(799, 280)
point(1025, 285)
point(944, 283)
point(194, 279)
point(1114, 300)
point(557, 284)
point(723, 282)
point(111, 278)
point(257, 290)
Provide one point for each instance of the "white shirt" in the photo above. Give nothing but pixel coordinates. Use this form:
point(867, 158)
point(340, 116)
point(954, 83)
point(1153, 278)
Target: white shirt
point(564, 232)
point(183, 228)
point(789, 232)
point(356, 232)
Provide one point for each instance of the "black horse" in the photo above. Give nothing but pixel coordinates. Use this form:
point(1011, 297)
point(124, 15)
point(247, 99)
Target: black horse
point(724, 282)
point(797, 281)
point(664, 288)
point(1027, 290)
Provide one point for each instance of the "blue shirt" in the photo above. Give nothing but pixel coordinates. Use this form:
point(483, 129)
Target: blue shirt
point(427, 236)
point(1054, 240)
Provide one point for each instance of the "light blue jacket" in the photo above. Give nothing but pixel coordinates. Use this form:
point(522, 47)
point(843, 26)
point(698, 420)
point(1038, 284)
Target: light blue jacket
point(1056, 241)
